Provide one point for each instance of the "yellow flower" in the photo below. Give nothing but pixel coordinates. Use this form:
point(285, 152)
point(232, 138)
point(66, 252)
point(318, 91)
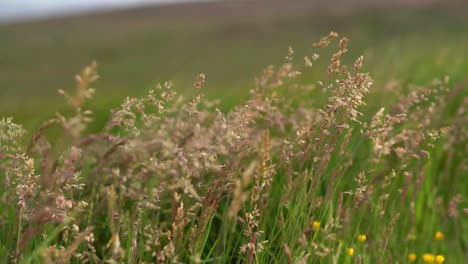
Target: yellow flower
point(362, 238)
point(412, 257)
point(439, 235)
point(439, 259)
point(428, 258)
point(315, 225)
point(350, 252)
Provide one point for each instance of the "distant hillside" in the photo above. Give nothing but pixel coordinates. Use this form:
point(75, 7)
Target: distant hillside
point(230, 41)
point(242, 9)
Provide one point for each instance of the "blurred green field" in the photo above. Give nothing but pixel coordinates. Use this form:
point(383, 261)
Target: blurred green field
point(403, 47)
point(137, 49)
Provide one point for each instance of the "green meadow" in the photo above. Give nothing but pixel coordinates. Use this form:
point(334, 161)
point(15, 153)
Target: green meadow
point(282, 169)
point(38, 58)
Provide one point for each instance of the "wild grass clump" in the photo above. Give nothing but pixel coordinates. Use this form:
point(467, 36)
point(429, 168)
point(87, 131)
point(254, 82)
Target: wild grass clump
point(296, 174)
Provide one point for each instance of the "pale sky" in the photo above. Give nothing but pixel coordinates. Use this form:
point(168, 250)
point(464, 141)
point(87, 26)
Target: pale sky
point(24, 9)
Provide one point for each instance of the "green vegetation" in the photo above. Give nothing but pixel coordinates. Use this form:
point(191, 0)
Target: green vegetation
point(310, 163)
point(36, 59)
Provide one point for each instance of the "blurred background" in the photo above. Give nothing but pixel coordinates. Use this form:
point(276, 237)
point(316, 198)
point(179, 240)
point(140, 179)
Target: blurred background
point(137, 44)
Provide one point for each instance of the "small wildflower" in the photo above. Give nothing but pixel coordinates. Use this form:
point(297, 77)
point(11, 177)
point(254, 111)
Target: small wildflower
point(412, 257)
point(428, 258)
point(362, 238)
point(439, 235)
point(316, 225)
point(350, 252)
point(439, 259)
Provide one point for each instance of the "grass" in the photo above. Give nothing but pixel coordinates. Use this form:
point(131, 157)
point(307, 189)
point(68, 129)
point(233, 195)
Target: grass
point(286, 173)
